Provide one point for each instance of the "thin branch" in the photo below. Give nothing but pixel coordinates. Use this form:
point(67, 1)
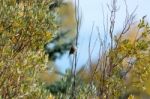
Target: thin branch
point(89, 48)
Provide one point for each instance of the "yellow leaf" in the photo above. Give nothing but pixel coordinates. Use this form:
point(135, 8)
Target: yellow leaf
point(131, 97)
point(48, 35)
point(51, 97)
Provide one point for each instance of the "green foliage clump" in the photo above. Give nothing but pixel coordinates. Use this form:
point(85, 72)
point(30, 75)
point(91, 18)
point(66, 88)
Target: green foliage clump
point(25, 27)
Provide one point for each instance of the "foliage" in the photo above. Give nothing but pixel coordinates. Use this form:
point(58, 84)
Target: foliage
point(25, 26)
point(62, 41)
point(62, 89)
point(65, 34)
point(130, 66)
point(121, 71)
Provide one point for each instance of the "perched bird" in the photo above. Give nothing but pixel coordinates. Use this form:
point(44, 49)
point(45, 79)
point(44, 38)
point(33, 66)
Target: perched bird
point(72, 50)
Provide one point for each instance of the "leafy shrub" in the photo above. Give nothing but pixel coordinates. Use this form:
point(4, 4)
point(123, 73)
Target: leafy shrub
point(25, 27)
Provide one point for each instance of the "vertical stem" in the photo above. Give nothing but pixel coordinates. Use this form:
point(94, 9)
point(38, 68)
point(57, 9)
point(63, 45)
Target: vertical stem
point(111, 30)
point(77, 17)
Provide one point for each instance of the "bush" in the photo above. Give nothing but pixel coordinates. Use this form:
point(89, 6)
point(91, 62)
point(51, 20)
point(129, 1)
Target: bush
point(25, 26)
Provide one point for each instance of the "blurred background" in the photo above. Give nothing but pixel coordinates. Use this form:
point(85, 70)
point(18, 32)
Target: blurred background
point(92, 13)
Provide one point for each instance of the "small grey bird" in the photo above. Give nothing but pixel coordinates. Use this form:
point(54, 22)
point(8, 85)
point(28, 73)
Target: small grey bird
point(72, 50)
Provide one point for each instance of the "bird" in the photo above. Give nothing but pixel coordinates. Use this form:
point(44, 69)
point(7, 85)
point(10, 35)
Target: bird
point(72, 49)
